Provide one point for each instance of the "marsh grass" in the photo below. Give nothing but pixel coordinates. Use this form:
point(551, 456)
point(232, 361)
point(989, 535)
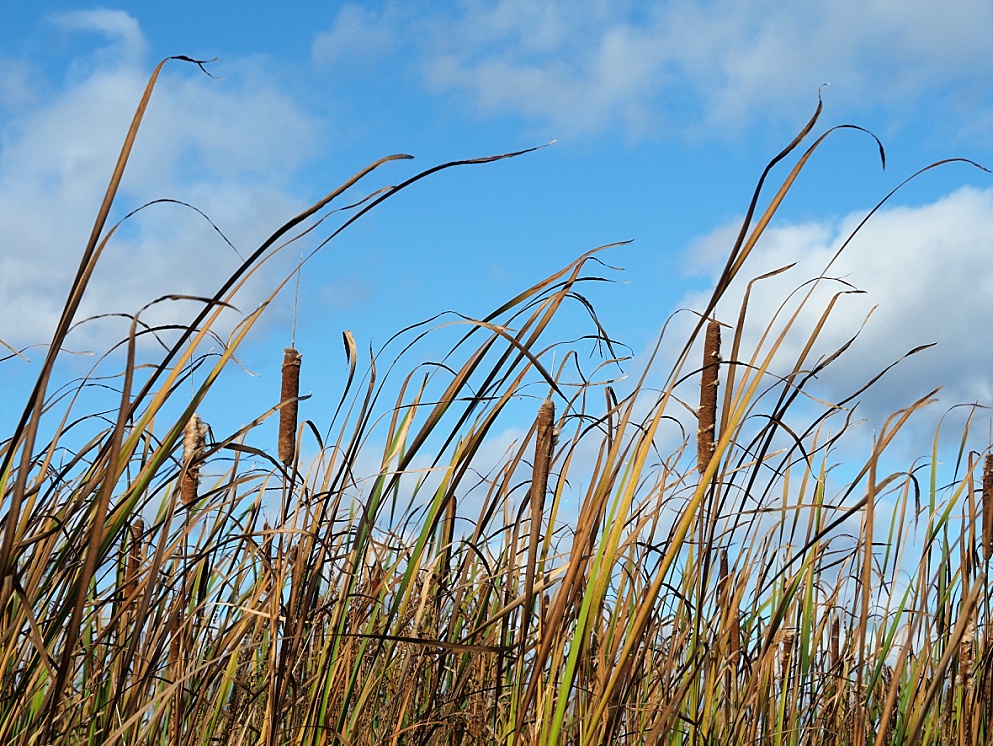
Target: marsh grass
point(634, 569)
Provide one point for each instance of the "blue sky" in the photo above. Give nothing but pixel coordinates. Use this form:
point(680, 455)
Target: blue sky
point(662, 115)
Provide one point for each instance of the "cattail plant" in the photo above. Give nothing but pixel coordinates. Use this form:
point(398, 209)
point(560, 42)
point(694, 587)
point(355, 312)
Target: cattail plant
point(194, 448)
point(289, 393)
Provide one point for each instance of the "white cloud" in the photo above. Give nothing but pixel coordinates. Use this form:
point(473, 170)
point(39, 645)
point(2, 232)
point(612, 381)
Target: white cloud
point(17, 88)
point(358, 37)
point(745, 56)
point(584, 66)
point(199, 137)
point(926, 271)
point(577, 68)
point(118, 26)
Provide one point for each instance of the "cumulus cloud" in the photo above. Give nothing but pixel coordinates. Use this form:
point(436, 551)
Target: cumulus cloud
point(745, 55)
point(580, 67)
point(926, 277)
point(199, 137)
point(119, 27)
point(358, 37)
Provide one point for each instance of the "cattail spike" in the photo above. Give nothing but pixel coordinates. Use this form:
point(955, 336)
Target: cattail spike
point(722, 575)
point(786, 658)
point(134, 558)
point(194, 446)
point(835, 642)
point(987, 503)
point(708, 395)
point(966, 655)
point(289, 399)
point(544, 448)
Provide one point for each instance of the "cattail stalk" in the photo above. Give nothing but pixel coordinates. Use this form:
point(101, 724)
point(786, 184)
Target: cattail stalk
point(966, 680)
point(194, 448)
point(289, 400)
point(176, 673)
point(447, 538)
point(235, 708)
point(730, 622)
point(835, 690)
point(708, 395)
point(451, 513)
point(127, 587)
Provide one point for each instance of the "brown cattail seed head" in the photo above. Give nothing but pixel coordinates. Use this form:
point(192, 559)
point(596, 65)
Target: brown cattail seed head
point(789, 640)
point(988, 507)
point(134, 558)
point(708, 395)
point(835, 642)
point(289, 399)
point(734, 634)
point(543, 450)
point(194, 446)
point(966, 655)
point(722, 576)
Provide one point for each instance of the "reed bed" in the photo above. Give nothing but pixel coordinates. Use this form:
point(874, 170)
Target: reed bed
point(650, 563)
